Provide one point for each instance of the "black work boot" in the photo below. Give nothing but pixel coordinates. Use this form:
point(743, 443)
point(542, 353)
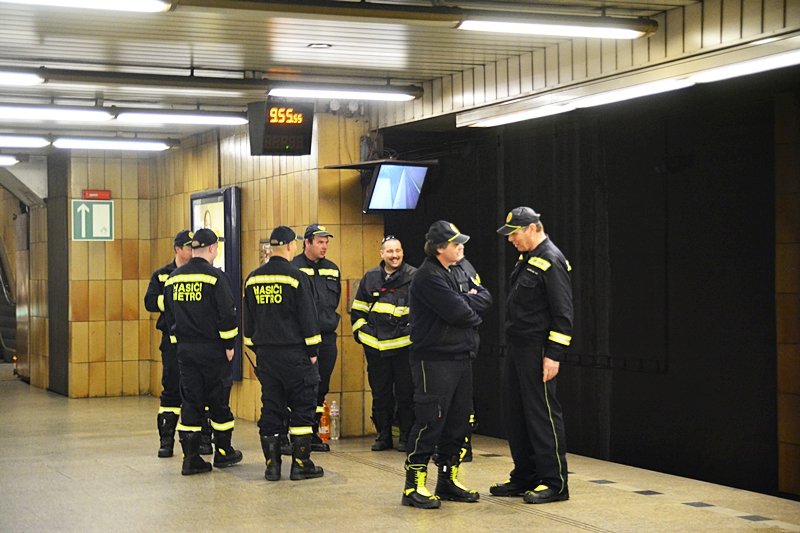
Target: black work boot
point(448, 487)
point(302, 465)
point(205, 437)
point(225, 455)
point(286, 446)
point(415, 493)
point(509, 488)
point(317, 444)
point(271, 445)
point(192, 462)
point(167, 422)
point(383, 441)
point(401, 442)
point(545, 494)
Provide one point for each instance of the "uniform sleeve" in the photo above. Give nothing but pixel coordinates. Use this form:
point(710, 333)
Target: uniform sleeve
point(154, 297)
point(307, 315)
point(248, 314)
point(169, 317)
point(559, 299)
point(226, 313)
point(449, 305)
point(359, 312)
point(481, 301)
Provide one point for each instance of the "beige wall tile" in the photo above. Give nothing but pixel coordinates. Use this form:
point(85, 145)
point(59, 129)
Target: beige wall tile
point(114, 340)
point(144, 314)
point(371, 235)
point(130, 259)
point(97, 379)
point(789, 369)
point(352, 404)
point(130, 219)
point(352, 197)
point(352, 263)
point(79, 300)
point(113, 259)
point(114, 299)
point(113, 175)
point(146, 329)
point(79, 380)
point(79, 342)
point(144, 377)
point(351, 360)
point(130, 340)
point(97, 341)
point(114, 378)
point(246, 402)
point(97, 300)
point(789, 471)
point(78, 175)
point(97, 260)
point(130, 378)
point(130, 299)
point(79, 260)
point(329, 196)
point(144, 219)
point(96, 173)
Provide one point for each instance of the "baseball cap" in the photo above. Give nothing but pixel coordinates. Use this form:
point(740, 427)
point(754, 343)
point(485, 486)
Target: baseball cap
point(183, 238)
point(204, 237)
point(282, 235)
point(315, 230)
point(444, 231)
point(517, 218)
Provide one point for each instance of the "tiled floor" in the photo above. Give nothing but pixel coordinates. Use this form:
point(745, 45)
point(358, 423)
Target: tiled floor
point(91, 465)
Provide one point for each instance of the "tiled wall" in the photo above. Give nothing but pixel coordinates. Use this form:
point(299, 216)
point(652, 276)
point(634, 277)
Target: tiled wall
point(9, 210)
point(37, 335)
point(787, 287)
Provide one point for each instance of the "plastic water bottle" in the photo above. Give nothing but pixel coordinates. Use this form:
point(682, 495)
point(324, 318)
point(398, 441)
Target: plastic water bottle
point(325, 423)
point(335, 421)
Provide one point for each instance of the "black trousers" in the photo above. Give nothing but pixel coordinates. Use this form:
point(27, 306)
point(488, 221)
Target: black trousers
point(533, 419)
point(288, 379)
point(391, 384)
point(170, 374)
point(203, 367)
point(326, 362)
point(442, 402)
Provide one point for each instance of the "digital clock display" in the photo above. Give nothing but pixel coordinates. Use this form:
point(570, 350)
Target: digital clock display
point(280, 127)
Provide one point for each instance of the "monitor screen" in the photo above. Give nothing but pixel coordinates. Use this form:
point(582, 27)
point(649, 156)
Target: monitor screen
point(395, 187)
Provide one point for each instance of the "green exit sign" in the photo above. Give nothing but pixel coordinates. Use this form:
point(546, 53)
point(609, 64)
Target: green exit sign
point(92, 220)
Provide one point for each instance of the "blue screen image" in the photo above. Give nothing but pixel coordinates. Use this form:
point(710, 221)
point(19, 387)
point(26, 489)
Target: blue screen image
point(397, 187)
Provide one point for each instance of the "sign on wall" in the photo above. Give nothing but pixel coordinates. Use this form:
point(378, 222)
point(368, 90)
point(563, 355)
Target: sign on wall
point(92, 220)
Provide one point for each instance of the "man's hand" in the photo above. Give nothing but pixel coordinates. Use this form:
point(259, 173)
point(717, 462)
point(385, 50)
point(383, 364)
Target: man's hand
point(549, 369)
point(313, 360)
point(229, 353)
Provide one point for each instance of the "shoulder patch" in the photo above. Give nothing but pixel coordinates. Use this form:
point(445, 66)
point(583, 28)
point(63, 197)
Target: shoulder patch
point(540, 263)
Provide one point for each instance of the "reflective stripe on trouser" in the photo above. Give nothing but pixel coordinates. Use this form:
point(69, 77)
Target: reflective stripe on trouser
point(442, 404)
point(288, 379)
point(170, 374)
point(533, 420)
point(203, 368)
point(391, 384)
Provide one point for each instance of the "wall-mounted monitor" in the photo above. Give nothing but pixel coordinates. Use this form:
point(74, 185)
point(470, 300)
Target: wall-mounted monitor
point(395, 186)
point(280, 127)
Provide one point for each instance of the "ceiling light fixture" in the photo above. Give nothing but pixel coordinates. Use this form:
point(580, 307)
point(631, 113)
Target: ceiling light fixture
point(8, 160)
point(530, 114)
point(22, 141)
point(76, 143)
point(181, 117)
point(19, 79)
point(53, 113)
point(744, 68)
point(560, 26)
point(634, 91)
point(386, 93)
point(140, 6)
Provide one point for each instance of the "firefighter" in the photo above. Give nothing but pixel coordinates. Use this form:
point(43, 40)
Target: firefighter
point(379, 316)
point(201, 315)
point(170, 407)
point(444, 341)
point(280, 324)
point(326, 280)
point(538, 325)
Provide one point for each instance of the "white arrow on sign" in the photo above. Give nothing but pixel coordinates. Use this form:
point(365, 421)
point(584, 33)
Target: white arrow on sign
point(83, 209)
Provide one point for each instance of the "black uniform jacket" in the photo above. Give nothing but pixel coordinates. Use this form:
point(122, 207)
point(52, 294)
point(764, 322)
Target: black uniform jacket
point(443, 319)
point(539, 304)
point(154, 297)
point(380, 310)
point(279, 307)
point(326, 279)
point(198, 305)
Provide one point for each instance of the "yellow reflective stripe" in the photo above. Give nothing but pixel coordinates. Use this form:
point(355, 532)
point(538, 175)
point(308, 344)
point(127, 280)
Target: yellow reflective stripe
point(224, 426)
point(329, 272)
point(389, 309)
point(560, 338)
point(320, 409)
point(160, 301)
point(569, 267)
point(358, 323)
point(273, 278)
point(360, 305)
point(248, 341)
point(176, 410)
point(311, 341)
point(183, 278)
point(193, 429)
point(388, 344)
point(368, 340)
point(477, 279)
point(300, 430)
point(173, 339)
point(309, 271)
point(163, 277)
point(538, 262)
point(231, 333)
point(451, 239)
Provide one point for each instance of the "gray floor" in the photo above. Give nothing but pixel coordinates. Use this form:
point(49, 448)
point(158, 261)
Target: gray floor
point(90, 465)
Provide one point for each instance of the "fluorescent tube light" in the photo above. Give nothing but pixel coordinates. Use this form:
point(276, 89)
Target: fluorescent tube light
point(519, 116)
point(753, 66)
point(154, 117)
point(22, 141)
point(561, 26)
point(634, 91)
point(140, 6)
point(386, 93)
point(53, 114)
point(110, 144)
point(19, 79)
point(8, 160)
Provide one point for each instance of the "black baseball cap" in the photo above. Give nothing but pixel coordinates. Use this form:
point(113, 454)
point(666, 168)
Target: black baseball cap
point(204, 237)
point(183, 238)
point(315, 230)
point(518, 218)
point(444, 231)
point(282, 235)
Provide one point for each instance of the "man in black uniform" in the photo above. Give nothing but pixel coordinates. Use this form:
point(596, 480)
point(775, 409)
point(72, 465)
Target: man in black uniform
point(201, 316)
point(380, 323)
point(538, 330)
point(326, 280)
point(280, 323)
point(443, 322)
point(170, 407)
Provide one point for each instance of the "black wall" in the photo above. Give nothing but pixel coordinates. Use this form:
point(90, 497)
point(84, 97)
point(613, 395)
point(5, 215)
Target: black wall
point(665, 208)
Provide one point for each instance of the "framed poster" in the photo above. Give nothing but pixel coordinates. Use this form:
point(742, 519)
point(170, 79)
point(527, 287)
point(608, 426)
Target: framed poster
point(220, 211)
